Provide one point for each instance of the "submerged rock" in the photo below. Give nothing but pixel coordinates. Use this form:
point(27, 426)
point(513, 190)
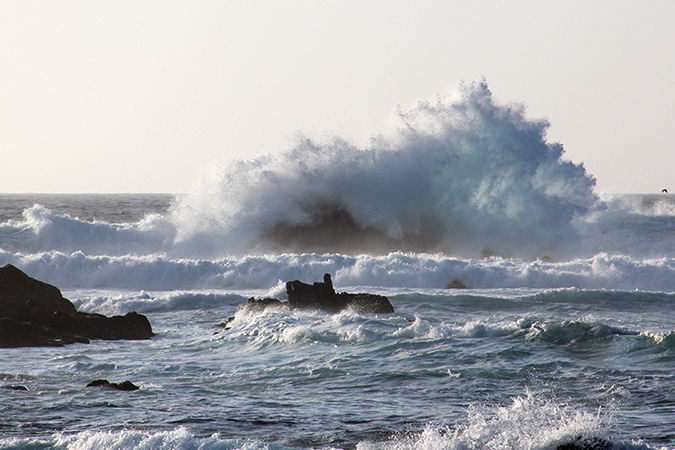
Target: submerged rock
point(123, 386)
point(35, 314)
point(15, 387)
point(322, 296)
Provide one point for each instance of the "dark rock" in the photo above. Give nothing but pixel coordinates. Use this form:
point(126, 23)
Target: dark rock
point(456, 284)
point(35, 314)
point(319, 296)
point(225, 324)
point(260, 304)
point(581, 443)
point(15, 387)
point(123, 386)
point(322, 296)
point(18, 291)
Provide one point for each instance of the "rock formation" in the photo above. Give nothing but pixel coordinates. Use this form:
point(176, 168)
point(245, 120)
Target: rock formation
point(35, 314)
point(322, 296)
point(123, 386)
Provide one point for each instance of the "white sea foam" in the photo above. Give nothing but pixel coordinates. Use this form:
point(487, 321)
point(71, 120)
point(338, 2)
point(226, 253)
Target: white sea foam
point(459, 174)
point(528, 423)
point(148, 302)
point(42, 230)
point(396, 270)
point(178, 439)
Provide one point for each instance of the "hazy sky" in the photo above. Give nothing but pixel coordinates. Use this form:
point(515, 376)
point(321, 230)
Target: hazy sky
point(140, 96)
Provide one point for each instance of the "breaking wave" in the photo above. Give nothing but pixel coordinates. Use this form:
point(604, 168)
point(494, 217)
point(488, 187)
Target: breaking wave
point(459, 174)
point(527, 423)
point(396, 270)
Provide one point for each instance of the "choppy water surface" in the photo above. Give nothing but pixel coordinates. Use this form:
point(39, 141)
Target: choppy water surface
point(459, 369)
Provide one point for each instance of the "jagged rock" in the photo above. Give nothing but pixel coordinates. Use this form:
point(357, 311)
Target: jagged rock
point(456, 284)
point(35, 314)
point(319, 296)
point(322, 296)
point(123, 386)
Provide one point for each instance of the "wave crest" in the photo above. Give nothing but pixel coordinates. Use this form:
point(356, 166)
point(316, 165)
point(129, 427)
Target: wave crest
point(460, 174)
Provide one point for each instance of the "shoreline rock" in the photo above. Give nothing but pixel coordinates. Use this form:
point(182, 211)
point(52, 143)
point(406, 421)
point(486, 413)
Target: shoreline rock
point(35, 314)
point(322, 296)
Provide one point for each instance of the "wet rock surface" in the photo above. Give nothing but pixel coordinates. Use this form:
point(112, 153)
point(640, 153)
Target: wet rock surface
point(35, 314)
point(322, 296)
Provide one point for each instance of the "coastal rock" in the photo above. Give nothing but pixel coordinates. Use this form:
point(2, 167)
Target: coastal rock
point(123, 386)
point(35, 314)
point(18, 292)
point(322, 296)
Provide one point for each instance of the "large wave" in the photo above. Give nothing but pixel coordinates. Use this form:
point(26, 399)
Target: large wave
point(459, 174)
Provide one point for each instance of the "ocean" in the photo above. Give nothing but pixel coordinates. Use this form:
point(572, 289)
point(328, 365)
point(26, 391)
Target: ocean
point(565, 334)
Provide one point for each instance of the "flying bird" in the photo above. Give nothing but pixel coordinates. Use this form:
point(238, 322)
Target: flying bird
point(665, 191)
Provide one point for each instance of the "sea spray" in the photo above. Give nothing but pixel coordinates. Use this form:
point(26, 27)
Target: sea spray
point(461, 174)
point(528, 423)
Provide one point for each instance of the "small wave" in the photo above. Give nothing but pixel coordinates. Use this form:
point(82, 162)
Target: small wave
point(145, 302)
point(662, 339)
point(572, 332)
point(424, 329)
point(178, 439)
point(42, 231)
point(294, 327)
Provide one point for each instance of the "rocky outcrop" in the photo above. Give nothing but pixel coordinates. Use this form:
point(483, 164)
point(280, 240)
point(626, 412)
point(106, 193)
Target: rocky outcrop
point(322, 296)
point(35, 314)
point(123, 386)
point(19, 292)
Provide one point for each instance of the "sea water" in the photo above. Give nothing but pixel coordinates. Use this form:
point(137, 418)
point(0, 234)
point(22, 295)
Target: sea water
point(566, 330)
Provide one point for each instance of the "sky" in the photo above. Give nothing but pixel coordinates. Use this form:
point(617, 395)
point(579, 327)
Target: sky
point(144, 96)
